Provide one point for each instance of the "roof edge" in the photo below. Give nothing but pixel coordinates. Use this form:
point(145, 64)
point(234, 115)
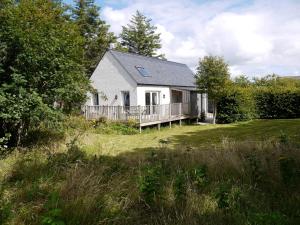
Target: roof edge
point(167, 85)
point(150, 57)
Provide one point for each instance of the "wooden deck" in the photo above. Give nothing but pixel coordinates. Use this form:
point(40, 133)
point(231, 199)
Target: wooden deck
point(143, 115)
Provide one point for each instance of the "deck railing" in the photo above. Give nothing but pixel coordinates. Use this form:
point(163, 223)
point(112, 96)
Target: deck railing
point(141, 114)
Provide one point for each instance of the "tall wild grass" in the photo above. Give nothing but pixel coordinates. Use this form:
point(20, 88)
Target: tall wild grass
point(240, 183)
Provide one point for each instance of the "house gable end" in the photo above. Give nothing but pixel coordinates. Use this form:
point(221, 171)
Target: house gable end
point(110, 79)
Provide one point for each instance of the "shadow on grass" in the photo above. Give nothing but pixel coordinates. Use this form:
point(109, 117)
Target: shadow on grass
point(157, 186)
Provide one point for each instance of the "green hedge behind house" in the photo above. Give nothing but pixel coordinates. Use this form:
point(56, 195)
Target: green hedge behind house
point(237, 104)
point(267, 100)
point(278, 103)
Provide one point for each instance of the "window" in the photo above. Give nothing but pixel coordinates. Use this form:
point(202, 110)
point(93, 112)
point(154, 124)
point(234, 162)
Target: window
point(96, 99)
point(126, 98)
point(143, 71)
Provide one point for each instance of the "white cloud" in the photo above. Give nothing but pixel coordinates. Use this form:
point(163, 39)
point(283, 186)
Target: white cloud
point(255, 38)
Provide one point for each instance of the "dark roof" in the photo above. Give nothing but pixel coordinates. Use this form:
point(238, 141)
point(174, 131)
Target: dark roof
point(160, 72)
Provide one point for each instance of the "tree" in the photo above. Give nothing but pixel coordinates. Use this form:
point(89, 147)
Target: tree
point(95, 32)
point(140, 37)
point(242, 81)
point(40, 65)
point(212, 77)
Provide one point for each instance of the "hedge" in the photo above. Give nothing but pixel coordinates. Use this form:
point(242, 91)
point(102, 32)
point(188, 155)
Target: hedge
point(237, 104)
point(277, 103)
point(271, 102)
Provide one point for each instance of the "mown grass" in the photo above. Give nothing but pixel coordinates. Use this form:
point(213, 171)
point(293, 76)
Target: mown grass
point(200, 137)
point(183, 175)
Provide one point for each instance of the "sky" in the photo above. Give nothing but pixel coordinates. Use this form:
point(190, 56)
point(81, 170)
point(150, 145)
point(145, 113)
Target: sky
point(255, 37)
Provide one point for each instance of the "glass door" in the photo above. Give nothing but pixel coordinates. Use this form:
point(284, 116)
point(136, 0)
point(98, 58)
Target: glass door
point(151, 102)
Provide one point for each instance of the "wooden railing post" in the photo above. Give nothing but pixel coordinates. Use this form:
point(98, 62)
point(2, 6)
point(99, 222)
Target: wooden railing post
point(170, 112)
point(180, 109)
point(140, 119)
point(180, 112)
point(85, 112)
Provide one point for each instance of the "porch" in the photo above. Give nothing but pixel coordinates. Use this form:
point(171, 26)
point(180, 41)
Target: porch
point(143, 115)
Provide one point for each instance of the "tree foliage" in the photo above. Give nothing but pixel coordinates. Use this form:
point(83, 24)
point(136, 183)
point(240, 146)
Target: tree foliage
point(95, 32)
point(213, 78)
point(140, 37)
point(40, 65)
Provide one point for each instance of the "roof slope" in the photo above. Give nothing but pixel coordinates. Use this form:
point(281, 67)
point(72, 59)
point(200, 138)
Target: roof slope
point(161, 72)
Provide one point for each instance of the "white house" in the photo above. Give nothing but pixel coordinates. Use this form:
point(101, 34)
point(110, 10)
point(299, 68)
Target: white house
point(131, 80)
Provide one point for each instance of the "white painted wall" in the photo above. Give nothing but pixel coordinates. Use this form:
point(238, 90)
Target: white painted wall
point(111, 79)
point(164, 94)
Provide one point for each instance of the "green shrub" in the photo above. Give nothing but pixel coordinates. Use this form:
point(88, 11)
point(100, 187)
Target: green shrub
point(236, 104)
point(149, 183)
point(179, 186)
point(222, 196)
point(230, 197)
point(283, 138)
point(53, 214)
point(116, 127)
point(199, 176)
point(5, 208)
point(254, 168)
point(4, 150)
point(289, 170)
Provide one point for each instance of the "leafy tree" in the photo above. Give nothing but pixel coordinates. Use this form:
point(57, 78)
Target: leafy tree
point(97, 38)
point(266, 81)
point(212, 78)
point(40, 65)
point(140, 37)
point(242, 81)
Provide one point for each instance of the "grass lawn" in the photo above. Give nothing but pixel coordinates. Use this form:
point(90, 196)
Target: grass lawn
point(197, 136)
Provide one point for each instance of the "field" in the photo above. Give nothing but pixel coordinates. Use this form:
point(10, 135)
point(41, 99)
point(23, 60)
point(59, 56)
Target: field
point(243, 173)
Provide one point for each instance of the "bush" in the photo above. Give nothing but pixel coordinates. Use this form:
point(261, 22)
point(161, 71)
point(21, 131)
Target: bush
point(277, 102)
point(104, 126)
point(149, 183)
point(199, 176)
point(5, 208)
point(237, 104)
point(53, 215)
point(4, 150)
point(179, 186)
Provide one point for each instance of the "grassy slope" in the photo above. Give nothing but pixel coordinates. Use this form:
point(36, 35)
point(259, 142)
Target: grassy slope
point(200, 137)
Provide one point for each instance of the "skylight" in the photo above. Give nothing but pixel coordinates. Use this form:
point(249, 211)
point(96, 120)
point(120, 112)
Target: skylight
point(143, 71)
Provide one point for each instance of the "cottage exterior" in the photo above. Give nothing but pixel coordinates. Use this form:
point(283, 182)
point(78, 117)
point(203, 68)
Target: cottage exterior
point(130, 80)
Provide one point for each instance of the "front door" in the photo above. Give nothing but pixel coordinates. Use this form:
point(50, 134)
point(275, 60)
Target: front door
point(151, 102)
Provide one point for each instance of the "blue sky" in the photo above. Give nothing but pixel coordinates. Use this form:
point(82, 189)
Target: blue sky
point(256, 37)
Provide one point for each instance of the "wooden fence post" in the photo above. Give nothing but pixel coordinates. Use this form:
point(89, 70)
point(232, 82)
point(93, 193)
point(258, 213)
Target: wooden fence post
point(159, 110)
point(180, 112)
point(170, 112)
point(119, 112)
point(140, 119)
point(85, 112)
